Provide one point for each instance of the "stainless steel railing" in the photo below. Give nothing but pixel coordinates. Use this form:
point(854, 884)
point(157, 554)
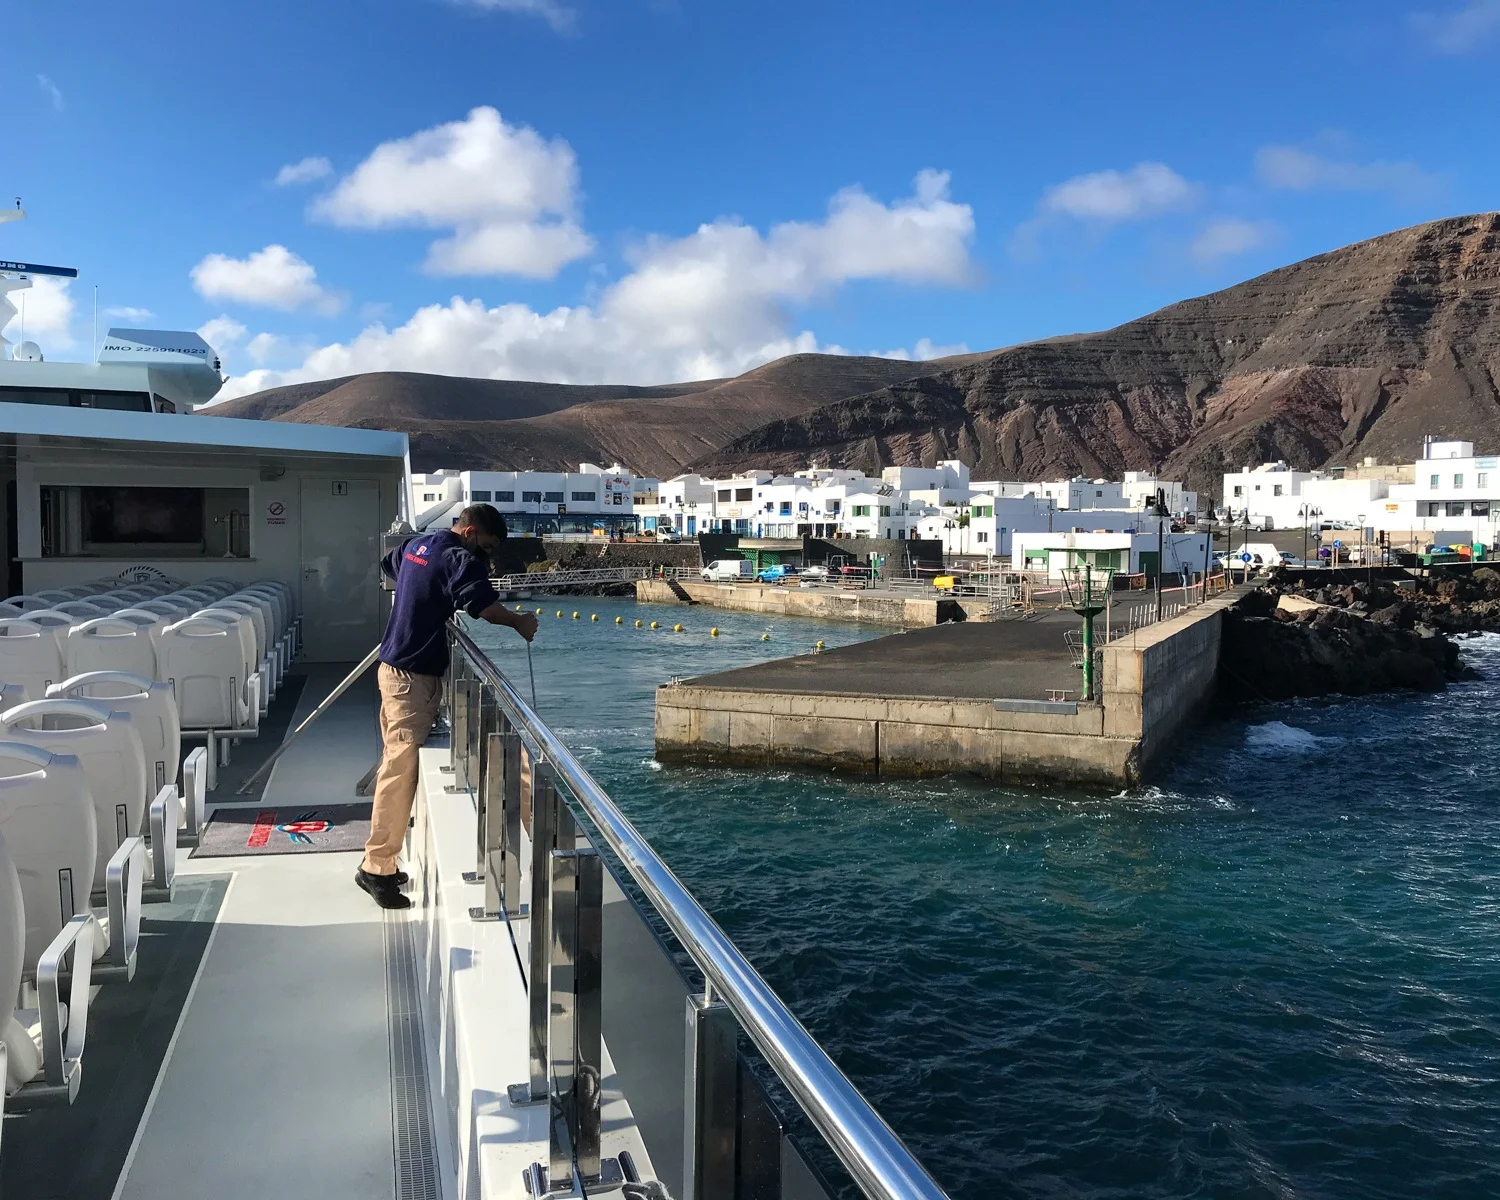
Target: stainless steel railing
point(491, 724)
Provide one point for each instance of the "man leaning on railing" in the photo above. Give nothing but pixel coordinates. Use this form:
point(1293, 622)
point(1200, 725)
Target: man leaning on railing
point(436, 574)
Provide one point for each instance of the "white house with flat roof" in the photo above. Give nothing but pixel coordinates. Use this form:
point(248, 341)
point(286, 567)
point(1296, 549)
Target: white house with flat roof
point(1130, 553)
point(533, 503)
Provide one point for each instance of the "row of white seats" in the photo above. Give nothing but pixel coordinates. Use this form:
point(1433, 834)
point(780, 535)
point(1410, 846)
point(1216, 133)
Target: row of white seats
point(223, 652)
point(76, 786)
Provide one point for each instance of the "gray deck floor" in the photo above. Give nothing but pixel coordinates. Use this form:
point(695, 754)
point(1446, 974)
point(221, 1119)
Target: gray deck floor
point(278, 1082)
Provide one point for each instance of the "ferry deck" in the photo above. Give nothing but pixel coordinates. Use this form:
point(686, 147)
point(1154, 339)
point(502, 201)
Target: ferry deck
point(223, 1012)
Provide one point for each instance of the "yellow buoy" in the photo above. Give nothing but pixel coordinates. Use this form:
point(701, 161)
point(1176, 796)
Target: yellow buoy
point(819, 646)
point(619, 620)
point(676, 628)
point(655, 624)
point(538, 612)
point(559, 612)
point(765, 637)
point(638, 624)
point(575, 616)
point(593, 616)
point(714, 632)
point(520, 608)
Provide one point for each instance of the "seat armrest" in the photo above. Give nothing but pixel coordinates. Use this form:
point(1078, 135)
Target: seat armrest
point(255, 685)
point(62, 1057)
point(123, 880)
point(194, 794)
point(164, 817)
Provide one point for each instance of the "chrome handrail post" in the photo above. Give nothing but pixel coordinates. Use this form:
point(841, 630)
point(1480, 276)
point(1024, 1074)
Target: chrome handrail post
point(510, 788)
point(543, 825)
point(710, 1104)
point(560, 987)
point(588, 1018)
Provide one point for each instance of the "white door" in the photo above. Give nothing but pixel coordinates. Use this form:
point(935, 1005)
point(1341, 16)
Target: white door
point(340, 568)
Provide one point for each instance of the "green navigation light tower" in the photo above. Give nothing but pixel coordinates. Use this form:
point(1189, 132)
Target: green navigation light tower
point(1083, 599)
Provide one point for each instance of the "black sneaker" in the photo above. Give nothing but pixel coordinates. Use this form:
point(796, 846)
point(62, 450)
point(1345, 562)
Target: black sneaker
point(383, 888)
point(401, 878)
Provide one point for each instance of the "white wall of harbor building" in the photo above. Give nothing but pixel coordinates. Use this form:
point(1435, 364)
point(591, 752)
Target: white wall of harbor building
point(533, 502)
point(1131, 553)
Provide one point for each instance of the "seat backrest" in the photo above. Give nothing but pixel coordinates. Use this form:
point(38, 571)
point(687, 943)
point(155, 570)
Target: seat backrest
point(11, 694)
point(82, 591)
point(55, 596)
point(279, 594)
point(12, 931)
point(105, 742)
point(243, 627)
point(111, 644)
point(204, 662)
point(257, 618)
point(152, 709)
point(29, 656)
point(83, 610)
point(28, 604)
point(47, 820)
point(269, 611)
point(8, 609)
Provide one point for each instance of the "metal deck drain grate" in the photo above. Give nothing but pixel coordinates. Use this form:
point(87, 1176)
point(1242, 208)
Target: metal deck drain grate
point(411, 1115)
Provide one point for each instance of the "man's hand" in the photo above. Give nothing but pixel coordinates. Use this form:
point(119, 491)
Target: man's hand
point(524, 623)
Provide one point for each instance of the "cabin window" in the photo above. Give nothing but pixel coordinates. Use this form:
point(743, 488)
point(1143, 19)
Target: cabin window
point(71, 398)
point(162, 404)
point(145, 522)
point(585, 497)
point(552, 497)
point(531, 497)
point(505, 497)
point(477, 495)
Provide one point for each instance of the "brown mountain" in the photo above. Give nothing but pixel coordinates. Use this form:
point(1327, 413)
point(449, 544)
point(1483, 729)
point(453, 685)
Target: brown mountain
point(1361, 351)
point(506, 424)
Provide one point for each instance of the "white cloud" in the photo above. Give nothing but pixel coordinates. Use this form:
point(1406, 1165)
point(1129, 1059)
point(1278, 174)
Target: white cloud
point(305, 170)
point(710, 304)
point(1461, 30)
point(1227, 237)
point(508, 195)
point(924, 350)
point(271, 278)
point(46, 310)
point(51, 91)
point(222, 333)
point(1148, 189)
point(559, 16)
point(126, 312)
point(1294, 169)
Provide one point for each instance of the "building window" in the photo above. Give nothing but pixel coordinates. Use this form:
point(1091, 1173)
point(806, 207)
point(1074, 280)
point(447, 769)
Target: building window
point(552, 497)
point(1455, 508)
point(1482, 479)
point(861, 510)
point(1458, 481)
point(741, 494)
point(485, 496)
point(885, 510)
point(982, 536)
point(1433, 482)
point(505, 497)
point(786, 508)
point(531, 497)
point(585, 497)
point(985, 510)
point(723, 495)
point(1276, 489)
point(1480, 508)
point(427, 497)
point(1239, 491)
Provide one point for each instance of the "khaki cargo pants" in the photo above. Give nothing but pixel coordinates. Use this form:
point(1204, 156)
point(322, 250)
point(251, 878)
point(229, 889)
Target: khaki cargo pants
point(408, 706)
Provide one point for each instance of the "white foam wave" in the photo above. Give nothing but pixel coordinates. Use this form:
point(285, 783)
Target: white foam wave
point(1277, 737)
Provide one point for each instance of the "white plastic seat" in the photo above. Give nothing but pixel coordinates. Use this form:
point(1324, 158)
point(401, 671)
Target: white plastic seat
point(48, 821)
point(11, 694)
point(170, 610)
point(152, 622)
point(267, 657)
point(83, 610)
point(28, 604)
point(105, 741)
point(82, 591)
point(152, 711)
point(9, 610)
point(55, 596)
point(111, 644)
point(244, 629)
point(204, 660)
point(48, 849)
point(29, 656)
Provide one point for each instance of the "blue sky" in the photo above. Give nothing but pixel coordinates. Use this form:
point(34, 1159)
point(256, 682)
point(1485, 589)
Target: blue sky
point(637, 190)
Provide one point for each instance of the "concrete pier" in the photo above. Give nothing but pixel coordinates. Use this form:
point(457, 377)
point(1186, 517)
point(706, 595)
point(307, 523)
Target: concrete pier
point(863, 605)
point(955, 698)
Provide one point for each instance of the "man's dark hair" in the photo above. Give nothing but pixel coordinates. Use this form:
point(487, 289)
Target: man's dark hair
point(483, 517)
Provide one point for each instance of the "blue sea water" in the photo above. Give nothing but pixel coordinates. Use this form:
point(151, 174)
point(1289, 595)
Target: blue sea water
point(1274, 973)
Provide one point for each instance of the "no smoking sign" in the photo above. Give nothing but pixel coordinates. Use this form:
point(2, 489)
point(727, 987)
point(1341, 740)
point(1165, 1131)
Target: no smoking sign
point(276, 513)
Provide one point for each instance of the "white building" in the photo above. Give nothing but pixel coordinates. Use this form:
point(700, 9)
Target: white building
point(1141, 488)
point(1131, 553)
point(533, 503)
point(1083, 493)
point(1455, 497)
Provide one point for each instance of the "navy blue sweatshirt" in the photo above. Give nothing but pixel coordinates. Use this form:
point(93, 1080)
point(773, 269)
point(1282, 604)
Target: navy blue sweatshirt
point(435, 576)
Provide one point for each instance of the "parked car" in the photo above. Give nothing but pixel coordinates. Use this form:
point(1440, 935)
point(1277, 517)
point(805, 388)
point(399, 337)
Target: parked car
point(815, 572)
point(668, 535)
point(728, 570)
point(775, 574)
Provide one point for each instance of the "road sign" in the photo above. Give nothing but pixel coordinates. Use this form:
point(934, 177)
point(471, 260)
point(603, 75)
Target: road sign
point(1337, 545)
point(1247, 557)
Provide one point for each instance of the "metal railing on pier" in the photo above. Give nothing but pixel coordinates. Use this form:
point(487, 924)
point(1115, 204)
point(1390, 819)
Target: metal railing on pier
point(539, 581)
point(493, 729)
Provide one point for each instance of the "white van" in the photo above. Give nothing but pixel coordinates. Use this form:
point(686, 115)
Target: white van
point(727, 570)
